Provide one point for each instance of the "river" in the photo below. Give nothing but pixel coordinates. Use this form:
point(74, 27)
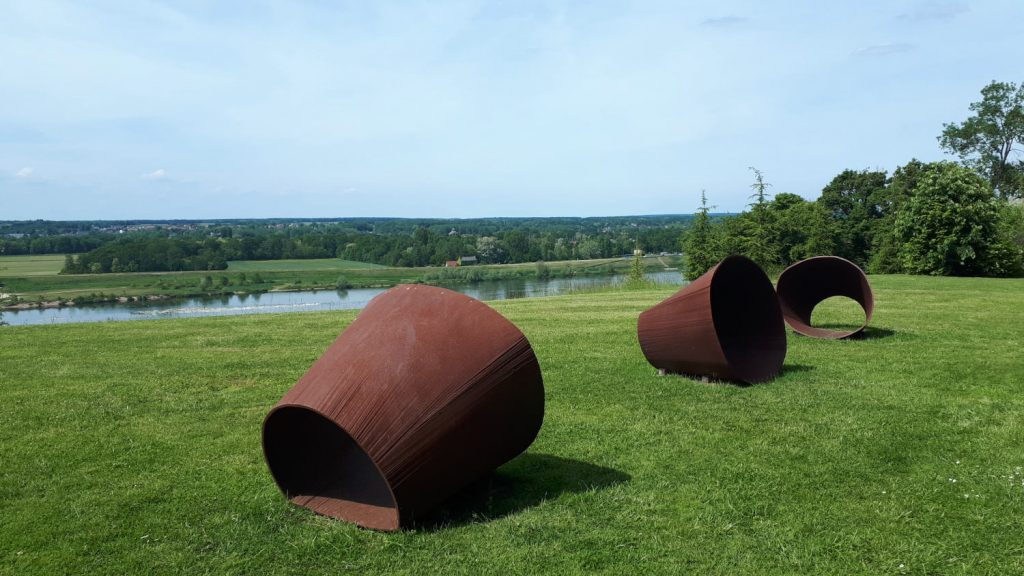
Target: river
point(310, 300)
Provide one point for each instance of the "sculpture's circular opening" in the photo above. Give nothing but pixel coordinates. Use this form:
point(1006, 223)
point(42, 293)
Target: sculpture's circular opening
point(839, 313)
point(807, 283)
point(747, 320)
point(317, 465)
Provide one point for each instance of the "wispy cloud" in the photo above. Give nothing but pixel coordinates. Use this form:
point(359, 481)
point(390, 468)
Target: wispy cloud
point(935, 11)
point(158, 174)
point(724, 21)
point(24, 172)
point(884, 49)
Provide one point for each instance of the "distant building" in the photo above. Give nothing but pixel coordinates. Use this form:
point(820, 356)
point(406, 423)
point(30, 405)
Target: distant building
point(451, 264)
point(453, 232)
point(467, 260)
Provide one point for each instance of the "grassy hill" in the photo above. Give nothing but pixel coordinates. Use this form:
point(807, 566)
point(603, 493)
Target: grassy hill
point(135, 448)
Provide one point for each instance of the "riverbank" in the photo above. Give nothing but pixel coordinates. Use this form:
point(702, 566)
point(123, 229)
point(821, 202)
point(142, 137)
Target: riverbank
point(275, 301)
point(54, 290)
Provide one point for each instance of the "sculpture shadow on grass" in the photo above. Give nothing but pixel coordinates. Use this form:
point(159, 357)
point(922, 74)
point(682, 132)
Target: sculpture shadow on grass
point(787, 369)
point(868, 333)
point(524, 482)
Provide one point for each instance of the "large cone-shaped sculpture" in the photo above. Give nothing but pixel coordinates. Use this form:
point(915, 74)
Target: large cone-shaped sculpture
point(725, 324)
point(805, 284)
point(426, 391)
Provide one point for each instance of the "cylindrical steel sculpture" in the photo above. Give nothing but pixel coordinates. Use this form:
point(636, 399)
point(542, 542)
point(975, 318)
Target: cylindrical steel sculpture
point(805, 284)
point(426, 391)
point(725, 324)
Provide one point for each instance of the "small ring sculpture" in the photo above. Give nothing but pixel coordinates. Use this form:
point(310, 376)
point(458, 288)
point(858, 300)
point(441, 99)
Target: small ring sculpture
point(807, 283)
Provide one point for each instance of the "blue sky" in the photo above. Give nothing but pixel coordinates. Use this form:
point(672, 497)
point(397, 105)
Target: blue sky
point(197, 109)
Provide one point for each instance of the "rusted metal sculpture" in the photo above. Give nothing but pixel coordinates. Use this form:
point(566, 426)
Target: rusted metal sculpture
point(725, 324)
point(805, 284)
point(426, 391)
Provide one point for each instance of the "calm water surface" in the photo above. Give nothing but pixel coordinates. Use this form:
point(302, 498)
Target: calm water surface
point(270, 302)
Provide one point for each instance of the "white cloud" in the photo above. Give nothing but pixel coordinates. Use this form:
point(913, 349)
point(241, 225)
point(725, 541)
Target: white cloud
point(158, 174)
point(24, 172)
point(935, 11)
point(724, 21)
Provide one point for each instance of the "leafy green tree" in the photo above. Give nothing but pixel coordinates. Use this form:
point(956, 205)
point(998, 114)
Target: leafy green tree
point(885, 246)
point(950, 226)
point(1012, 225)
point(989, 140)
point(343, 283)
point(698, 242)
point(854, 201)
point(793, 223)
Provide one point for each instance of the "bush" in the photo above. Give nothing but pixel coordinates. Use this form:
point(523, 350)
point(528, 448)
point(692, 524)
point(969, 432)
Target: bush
point(951, 226)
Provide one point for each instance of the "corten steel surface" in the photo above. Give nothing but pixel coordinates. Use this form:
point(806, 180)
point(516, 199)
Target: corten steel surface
point(805, 284)
point(426, 391)
point(725, 324)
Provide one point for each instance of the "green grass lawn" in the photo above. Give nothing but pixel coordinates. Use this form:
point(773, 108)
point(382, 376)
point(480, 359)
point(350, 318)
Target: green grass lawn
point(135, 448)
point(335, 264)
point(37, 265)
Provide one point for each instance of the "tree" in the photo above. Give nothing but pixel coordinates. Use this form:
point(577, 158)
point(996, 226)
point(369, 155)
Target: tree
point(697, 242)
point(990, 140)
point(885, 246)
point(854, 201)
point(759, 246)
point(950, 226)
point(636, 269)
point(343, 283)
point(793, 222)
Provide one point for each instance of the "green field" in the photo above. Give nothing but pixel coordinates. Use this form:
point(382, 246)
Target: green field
point(37, 265)
point(335, 264)
point(135, 448)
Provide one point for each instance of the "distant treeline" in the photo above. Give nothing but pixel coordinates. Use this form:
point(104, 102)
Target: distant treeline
point(938, 218)
point(390, 242)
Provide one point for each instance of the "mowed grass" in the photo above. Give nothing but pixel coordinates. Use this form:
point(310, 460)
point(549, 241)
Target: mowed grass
point(135, 448)
point(34, 265)
point(289, 265)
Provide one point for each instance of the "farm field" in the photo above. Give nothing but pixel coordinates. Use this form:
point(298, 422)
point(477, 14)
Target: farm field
point(34, 265)
point(135, 448)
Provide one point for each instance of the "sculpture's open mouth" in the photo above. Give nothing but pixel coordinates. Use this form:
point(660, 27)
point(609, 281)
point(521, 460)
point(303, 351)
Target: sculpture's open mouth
point(318, 465)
